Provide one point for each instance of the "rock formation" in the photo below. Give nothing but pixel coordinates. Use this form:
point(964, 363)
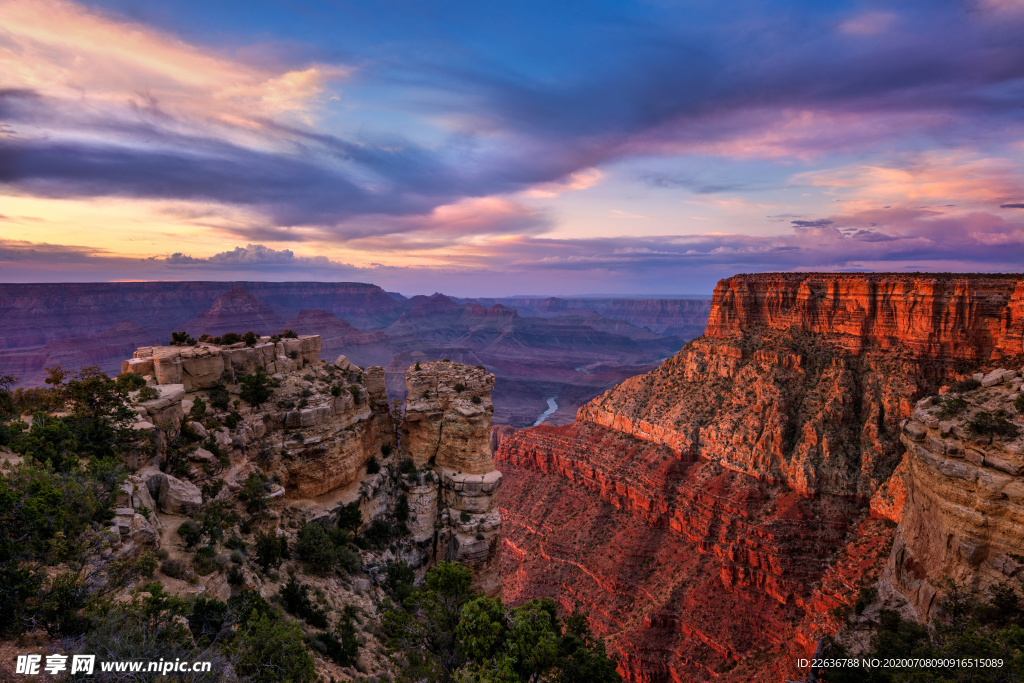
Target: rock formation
point(964, 511)
point(446, 432)
point(317, 434)
point(712, 512)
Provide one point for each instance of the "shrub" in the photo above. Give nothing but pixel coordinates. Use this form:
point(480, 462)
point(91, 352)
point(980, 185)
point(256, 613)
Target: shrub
point(385, 449)
point(190, 533)
point(232, 419)
point(250, 338)
point(219, 398)
point(316, 549)
point(203, 562)
point(399, 579)
point(237, 556)
point(417, 367)
point(866, 596)
point(198, 410)
point(350, 516)
point(254, 492)
point(294, 355)
point(335, 390)
point(991, 425)
point(459, 387)
point(380, 533)
point(267, 649)
point(148, 393)
point(207, 619)
point(295, 598)
point(182, 339)
point(270, 550)
point(464, 516)
point(402, 509)
point(306, 393)
point(356, 397)
point(407, 466)
point(235, 576)
point(230, 338)
point(1019, 404)
point(130, 381)
point(256, 389)
point(342, 646)
point(372, 466)
point(176, 569)
point(288, 334)
point(476, 400)
point(951, 406)
point(964, 386)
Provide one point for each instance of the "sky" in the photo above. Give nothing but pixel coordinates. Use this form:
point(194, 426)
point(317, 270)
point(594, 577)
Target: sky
point(561, 147)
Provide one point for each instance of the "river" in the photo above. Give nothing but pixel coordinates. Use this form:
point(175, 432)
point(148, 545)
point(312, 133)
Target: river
point(552, 407)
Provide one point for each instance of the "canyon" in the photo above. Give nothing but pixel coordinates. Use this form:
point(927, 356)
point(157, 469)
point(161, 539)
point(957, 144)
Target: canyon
point(715, 515)
point(573, 349)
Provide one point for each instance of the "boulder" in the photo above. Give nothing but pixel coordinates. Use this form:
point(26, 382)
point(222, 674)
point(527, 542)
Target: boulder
point(202, 455)
point(343, 363)
point(179, 497)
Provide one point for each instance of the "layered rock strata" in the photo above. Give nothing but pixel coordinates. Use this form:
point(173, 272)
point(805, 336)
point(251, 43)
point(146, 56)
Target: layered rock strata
point(453, 495)
point(964, 512)
point(765, 445)
point(315, 434)
point(689, 568)
point(205, 365)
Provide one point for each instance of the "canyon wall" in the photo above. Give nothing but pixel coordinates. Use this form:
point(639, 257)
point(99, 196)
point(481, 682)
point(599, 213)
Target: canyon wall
point(964, 514)
point(725, 502)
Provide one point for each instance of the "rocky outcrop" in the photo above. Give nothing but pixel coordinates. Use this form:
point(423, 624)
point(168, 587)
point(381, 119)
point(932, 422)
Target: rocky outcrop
point(446, 433)
point(448, 413)
point(206, 365)
point(964, 511)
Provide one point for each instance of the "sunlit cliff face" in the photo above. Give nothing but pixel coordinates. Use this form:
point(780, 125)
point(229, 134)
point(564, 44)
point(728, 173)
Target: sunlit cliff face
point(627, 147)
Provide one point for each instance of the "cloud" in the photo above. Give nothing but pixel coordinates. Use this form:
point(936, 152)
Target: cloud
point(1017, 205)
point(820, 223)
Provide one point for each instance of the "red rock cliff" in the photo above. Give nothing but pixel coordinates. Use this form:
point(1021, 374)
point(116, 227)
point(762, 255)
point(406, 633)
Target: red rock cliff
point(710, 513)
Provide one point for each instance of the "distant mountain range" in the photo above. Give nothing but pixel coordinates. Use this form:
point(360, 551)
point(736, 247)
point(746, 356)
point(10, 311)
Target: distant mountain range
point(539, 348)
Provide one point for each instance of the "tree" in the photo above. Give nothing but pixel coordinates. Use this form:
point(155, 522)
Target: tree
point(268, 649)
point(445, 632)
point(257, 387)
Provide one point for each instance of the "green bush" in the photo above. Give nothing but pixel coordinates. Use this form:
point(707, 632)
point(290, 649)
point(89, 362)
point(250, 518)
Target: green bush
point(232, 420)
point(190, 533)
point(270, 550)
point(407, 466)
point(991, 425)
point(459, 387)
point(220, 398)
point(446, 627)
point(951, 406)
point(182, 339)
point(207, 619)
point(198, 411)
point(295, 598)
point(372, 466)
point(399, 579)
point(254, 492)
point(356, 396)
point(256, 388)
point(250, 338)
point(316, 548)
point(476, 400)
point(203, 562)
point(177, 569)
point(288, 334)
point(130, 381)
point(342, 646)
point(1019, 404)
point(350, 516)
point(335, 390)
point(267, 649)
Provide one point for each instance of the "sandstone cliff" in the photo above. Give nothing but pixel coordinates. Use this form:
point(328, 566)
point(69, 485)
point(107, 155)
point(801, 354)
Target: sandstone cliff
point(964, 514)
point(446, 431)
point(719, 507)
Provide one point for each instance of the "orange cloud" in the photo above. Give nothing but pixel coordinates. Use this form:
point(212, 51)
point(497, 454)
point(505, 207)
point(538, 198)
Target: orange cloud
point(953, 177)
